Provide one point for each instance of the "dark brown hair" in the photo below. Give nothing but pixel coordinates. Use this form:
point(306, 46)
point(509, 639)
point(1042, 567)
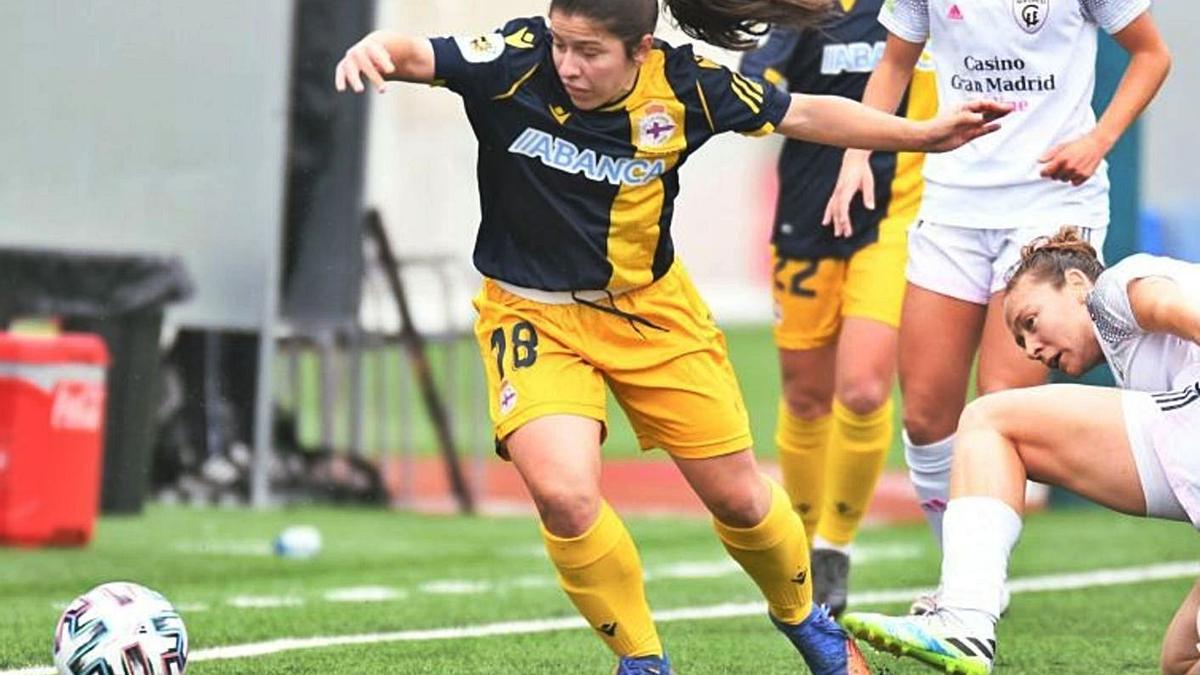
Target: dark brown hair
point(1049, 258)
point(628, 20)
point(737, 24)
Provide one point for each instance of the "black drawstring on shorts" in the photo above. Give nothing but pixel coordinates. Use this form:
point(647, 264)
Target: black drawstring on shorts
point(611, 308)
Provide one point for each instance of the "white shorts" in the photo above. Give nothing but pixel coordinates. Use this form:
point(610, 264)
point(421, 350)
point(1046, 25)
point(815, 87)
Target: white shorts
point(1164, 433)
point(971, 263)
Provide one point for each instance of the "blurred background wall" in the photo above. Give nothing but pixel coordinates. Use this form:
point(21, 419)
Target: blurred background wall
point(1171, 139)
point(140, 126)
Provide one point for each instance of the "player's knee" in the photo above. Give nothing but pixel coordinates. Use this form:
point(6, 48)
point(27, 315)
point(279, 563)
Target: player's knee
point(863, 396)
point(927, 424)
point(1179, 665)
point(804, 401)
point(978, 415)
point(739, 508)
point(986, 413)
point(568, 513)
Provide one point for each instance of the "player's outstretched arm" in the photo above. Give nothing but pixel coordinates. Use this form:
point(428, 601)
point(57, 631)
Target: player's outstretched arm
point(381, 56)
point(1161, 306)
point(834, 120)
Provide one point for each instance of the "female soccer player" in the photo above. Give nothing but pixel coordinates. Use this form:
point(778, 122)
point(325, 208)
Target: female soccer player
point(582, 121)
point(837, 293)
point(1130, 449)
point(983, 203)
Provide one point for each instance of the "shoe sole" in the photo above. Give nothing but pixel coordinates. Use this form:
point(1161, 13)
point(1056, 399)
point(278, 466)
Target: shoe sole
point(885, 642)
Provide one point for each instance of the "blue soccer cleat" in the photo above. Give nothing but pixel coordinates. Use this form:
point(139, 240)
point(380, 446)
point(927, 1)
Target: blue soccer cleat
point(644, 665)
point(937, 639)
point(826, 648)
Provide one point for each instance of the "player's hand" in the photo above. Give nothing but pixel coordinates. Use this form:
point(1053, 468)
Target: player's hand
point(366, 59)
point(963, 125)
point(855, 177)
point(1075, 162)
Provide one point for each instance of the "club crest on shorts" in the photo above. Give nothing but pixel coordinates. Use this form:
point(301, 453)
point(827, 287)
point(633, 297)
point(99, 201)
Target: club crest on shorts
point(481, 48)
point(508, 397)
point(656, 128)
point(1031, 15)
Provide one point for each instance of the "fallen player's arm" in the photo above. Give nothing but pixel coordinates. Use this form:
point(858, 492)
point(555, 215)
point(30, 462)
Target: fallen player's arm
point(1160, 306)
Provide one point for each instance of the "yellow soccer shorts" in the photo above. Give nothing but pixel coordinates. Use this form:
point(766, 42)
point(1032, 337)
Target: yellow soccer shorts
point(674, 380)
point(812, 296)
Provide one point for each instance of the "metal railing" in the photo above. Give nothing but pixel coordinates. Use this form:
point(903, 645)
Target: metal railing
point(353, 389)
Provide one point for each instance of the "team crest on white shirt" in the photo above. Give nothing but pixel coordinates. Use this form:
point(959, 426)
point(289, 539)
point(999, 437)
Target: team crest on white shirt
point(1031, 15)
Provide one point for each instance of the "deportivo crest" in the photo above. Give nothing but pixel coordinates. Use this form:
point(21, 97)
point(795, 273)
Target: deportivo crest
point(481, 48)
point(656, 128)
point(508, 397)
point(1031, 15)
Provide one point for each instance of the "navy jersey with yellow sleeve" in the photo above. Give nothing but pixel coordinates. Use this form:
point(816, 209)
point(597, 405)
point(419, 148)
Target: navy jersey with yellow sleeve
point(579, 200)
point(837, 59)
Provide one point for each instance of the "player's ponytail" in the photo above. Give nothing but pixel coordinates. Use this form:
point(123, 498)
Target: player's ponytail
point(737, 24)
point(1047, 259)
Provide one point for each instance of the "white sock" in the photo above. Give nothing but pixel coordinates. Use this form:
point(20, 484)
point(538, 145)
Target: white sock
point(821, 542)
point(929, 471)
point(980, 533)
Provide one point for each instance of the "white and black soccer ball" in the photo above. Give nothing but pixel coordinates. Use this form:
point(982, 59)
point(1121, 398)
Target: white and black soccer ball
point(120, 628)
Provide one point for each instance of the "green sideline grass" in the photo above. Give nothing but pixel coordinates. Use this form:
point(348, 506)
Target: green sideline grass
point(183, 553)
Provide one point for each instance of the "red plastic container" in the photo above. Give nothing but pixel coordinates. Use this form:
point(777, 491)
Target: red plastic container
point(51, 438)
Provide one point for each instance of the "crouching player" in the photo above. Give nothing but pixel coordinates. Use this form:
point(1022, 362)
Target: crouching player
point(1131, 449)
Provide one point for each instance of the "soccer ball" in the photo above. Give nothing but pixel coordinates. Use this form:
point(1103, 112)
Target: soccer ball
point(299, 542)
point(120, 628)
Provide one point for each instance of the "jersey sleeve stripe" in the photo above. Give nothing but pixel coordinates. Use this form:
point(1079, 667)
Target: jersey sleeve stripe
point(746, 99)
point(765, 130)
point(517, 85)
point(704, 104)
point(752, 89)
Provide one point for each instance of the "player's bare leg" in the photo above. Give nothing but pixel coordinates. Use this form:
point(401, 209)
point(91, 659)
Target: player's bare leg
point(859, 440)
point(938, 338)
point(1067, 435)
point(1181, 644)
point(558, 457)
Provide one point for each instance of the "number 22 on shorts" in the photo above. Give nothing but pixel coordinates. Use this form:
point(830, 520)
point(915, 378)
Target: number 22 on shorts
point(795, 284)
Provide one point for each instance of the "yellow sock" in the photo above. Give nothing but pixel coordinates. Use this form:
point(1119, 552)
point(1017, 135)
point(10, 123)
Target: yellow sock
point(802, 448)
point(602, 574)
point(858, 449)
point(775, 554)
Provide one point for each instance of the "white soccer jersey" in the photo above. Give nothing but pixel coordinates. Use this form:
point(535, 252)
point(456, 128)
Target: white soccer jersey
point(1039, 55)
point(1154, 362)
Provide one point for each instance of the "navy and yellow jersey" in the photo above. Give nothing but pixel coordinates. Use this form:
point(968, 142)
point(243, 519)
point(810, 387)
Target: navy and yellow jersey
point(837, 59)
point(579, 200)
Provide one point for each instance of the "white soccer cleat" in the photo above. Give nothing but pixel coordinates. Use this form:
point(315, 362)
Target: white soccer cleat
point(927, 603)
point(938, 639)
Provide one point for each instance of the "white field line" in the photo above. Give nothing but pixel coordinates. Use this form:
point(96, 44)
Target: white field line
point(1052, 582)
point(695, 569)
